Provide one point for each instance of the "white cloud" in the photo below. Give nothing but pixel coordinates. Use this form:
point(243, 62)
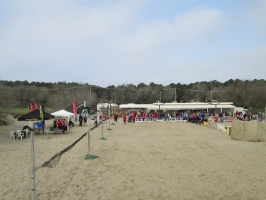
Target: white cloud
point(72, 41)
point(150, 44)
point(198, 24)
point(192, 27)
point(59, 31)
point(256, 11)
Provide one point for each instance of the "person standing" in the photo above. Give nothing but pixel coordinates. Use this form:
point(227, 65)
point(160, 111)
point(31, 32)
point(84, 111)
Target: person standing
point(124, 118)
point(59, 125)
point(80, 120)
point(221, 116)
point(129, 117)
point(70, 125)
point(64, 126)
point(133, 117)
point(55, 126)
point(85, 120)
point(95, 120)
point(115, 117)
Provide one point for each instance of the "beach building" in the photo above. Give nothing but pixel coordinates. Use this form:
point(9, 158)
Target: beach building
point(104, 108)
point(179, 107)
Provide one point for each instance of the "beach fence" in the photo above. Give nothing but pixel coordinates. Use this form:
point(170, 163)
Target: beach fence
point(249, 130)
point(211, 123)
point(159, 119)
point(254, 130)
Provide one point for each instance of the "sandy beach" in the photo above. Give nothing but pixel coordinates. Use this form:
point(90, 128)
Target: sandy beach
point(154, 160)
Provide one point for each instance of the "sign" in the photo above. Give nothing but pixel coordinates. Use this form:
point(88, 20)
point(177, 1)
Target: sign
point(37, 125)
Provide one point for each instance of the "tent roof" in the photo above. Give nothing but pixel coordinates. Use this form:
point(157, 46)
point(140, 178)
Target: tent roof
point(63, 113)
point(35, 116)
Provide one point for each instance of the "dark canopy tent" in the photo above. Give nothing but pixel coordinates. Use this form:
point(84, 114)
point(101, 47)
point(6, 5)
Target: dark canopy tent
point(35, 116)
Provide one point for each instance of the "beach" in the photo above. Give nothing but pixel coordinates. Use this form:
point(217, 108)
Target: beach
point(144, 160)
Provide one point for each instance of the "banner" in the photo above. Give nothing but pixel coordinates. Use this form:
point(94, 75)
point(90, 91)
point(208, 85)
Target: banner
point(37, 125)
point(43, 106)
point(36, 105)
point(31, 107)
point(41, 113)
point(74, 107)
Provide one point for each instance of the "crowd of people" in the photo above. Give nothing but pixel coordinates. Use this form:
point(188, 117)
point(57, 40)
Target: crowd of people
point(198, 117)
point(190, 116)
point(133, 116)
point(244, 116)
point(62, 126)
point(82, 120)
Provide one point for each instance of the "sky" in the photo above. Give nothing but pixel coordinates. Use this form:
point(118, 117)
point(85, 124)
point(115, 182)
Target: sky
point(116, 42)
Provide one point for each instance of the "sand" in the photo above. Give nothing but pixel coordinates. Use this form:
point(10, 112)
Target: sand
point(155, 160)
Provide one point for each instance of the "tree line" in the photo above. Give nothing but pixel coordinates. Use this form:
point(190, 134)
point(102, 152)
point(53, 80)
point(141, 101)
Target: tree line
point(243, 93)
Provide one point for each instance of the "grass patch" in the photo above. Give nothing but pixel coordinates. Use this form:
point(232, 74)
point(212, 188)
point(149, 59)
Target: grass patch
point(19, 110)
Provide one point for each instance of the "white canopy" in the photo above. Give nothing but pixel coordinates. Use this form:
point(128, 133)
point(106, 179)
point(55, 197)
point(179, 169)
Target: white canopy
point(63, 113)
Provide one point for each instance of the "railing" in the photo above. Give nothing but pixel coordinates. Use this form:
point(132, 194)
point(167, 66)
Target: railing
point(158, 119)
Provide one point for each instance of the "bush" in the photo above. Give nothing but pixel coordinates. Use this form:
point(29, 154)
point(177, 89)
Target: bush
point(3, 121)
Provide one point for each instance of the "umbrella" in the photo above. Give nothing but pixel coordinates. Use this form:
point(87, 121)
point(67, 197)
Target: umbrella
point(35, 116)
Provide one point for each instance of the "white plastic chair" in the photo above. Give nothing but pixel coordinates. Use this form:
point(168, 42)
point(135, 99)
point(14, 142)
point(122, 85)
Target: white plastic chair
point(20, 134)
point(222, 128)
point(26, 133)
point(12, 135)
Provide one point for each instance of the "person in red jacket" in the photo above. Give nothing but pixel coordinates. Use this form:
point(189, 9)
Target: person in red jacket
point(133, 117)
point(124, 118)
point(59, 125)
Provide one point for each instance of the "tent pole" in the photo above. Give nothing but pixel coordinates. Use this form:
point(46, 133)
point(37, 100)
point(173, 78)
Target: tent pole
point(33, 195)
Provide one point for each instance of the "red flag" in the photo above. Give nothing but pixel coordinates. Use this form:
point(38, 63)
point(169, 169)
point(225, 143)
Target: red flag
point(36, 105)
point(31, 107)
point(74, 107)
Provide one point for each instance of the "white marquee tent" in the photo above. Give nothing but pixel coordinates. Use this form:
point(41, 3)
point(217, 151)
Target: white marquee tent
point(63, 114)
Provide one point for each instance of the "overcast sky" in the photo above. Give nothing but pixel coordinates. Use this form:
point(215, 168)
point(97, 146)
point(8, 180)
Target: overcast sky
point(105, 42)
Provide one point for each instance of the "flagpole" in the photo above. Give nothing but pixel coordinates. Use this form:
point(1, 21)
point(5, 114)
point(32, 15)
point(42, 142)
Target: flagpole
point(42, 119)
point(89, 155)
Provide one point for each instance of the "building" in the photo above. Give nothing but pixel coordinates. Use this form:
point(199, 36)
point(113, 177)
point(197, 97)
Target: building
point(179, 107)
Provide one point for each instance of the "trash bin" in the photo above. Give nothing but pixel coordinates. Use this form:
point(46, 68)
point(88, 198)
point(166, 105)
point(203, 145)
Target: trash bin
point(228, 130)
point(51, 128)
point(205, 124)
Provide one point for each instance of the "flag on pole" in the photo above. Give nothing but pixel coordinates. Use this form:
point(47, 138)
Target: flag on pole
point(74, 107)
point(41, 113)
point(36, 105)
point(31, 107)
